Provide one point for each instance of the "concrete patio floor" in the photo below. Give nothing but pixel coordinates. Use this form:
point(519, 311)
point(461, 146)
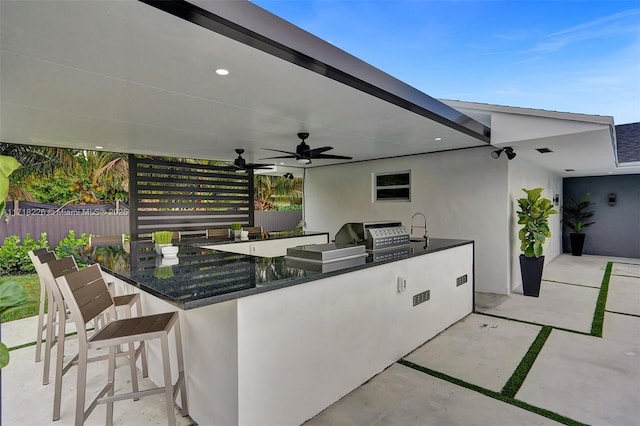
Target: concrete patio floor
point(455, 378)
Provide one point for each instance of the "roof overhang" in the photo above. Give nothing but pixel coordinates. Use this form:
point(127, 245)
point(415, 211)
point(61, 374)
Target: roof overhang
point(580, 144)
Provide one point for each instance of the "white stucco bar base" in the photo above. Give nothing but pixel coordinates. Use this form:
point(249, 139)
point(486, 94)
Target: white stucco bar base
point(279, 358)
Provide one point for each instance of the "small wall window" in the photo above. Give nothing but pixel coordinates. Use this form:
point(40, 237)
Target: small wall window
point(392, 186)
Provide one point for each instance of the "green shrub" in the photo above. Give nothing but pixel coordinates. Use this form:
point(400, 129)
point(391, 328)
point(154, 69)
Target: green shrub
point(71, 245)
point(9, 259)
point(29, 244)
point(14, 253)
point(290, 208)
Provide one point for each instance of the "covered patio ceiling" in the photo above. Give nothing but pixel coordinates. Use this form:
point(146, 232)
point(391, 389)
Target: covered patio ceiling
point(130, 77)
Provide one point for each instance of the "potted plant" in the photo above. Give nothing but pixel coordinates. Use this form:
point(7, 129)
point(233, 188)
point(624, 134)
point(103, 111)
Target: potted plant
point(236, 228)
point(534, 217)
point(575, 215)
point(162, 239)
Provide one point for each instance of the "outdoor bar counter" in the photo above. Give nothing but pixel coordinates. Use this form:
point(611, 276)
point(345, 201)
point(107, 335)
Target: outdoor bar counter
point(271, 341)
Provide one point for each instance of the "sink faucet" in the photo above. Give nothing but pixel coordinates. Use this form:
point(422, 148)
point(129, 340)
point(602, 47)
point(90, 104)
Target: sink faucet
point(426, 235)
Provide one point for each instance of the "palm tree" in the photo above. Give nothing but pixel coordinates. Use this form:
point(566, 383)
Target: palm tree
point(97, 174)
point(34, 160)
point(270, 189)
point(92, 175)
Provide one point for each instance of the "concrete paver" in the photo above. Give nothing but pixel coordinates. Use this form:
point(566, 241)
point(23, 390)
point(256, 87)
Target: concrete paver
point(622, 328)
point(407, 397)
point(592, 380)
point(559, 305)
point(582, 270)
point(467, 350)
point(627, 269)
point(26, 402)
point(624, 295)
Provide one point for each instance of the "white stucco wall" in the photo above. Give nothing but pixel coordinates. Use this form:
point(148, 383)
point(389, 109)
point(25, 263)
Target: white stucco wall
point(523, 174)
point(464, 194)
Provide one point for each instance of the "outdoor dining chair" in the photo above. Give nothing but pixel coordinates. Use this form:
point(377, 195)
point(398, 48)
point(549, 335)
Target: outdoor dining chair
point(218, 233)
point(124, 305)
point(87, 296)
point(254, 231)
point(106, 240)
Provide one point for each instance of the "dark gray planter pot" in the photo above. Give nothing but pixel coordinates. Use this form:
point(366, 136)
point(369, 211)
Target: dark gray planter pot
point(577, 243)
point(531, 272)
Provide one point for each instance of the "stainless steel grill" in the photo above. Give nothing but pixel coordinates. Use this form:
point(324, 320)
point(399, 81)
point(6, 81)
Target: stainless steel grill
point(374, 235)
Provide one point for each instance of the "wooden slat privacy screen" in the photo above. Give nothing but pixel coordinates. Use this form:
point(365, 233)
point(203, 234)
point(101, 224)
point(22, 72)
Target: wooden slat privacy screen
point(186, 195)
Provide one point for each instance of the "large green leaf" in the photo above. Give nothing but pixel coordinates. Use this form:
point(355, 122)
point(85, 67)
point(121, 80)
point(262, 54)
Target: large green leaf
point(7, 166)
point(11, 294)
point(4, 355)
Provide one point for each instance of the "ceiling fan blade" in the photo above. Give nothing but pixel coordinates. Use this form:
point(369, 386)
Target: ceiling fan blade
point(282, 156)
point(316, 151)
point(329, 156)
point(278, 150)
point(254, 166)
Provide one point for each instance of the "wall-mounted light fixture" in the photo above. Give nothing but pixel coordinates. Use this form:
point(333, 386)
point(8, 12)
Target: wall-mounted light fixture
point(612, 199)
point(288, 175)
point(508, 151)
point(556, 199)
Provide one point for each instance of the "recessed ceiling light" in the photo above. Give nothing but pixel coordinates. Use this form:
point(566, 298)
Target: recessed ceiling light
point(98, 147)
point(282, 164)
point(437, 139)
point(609, 173)
point(222, 71)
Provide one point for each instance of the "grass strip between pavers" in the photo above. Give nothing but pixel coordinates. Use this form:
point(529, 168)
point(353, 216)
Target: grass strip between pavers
point(598, 315)
point(516, 380)
point(495, 395)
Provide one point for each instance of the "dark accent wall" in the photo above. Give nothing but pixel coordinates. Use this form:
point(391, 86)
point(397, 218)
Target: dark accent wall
point(617, 228)
point(186, 195)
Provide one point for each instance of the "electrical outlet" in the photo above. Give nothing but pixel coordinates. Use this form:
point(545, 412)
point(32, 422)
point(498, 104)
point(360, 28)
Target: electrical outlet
point(402, 284)
point(461, 280)
point(421, 297)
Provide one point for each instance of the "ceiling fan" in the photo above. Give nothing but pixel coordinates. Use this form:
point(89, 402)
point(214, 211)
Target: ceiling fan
point(240, 164)
point(304, 154)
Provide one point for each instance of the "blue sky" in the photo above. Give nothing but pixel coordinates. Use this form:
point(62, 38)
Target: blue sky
point(580, 56)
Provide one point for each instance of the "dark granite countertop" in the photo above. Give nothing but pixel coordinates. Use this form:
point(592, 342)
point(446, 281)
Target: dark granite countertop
point(200, 277)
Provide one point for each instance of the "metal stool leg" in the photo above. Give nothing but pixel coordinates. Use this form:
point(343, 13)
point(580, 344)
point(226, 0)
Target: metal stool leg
point(43, 298)
point(182, 385)
point(49, 342)
point(168, 387)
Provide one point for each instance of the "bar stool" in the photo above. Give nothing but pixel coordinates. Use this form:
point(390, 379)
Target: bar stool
point(34, 256)
point(87, 295)
point(123, 304)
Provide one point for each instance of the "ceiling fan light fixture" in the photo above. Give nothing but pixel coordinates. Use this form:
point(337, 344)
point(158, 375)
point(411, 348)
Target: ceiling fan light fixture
point(304, 160)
